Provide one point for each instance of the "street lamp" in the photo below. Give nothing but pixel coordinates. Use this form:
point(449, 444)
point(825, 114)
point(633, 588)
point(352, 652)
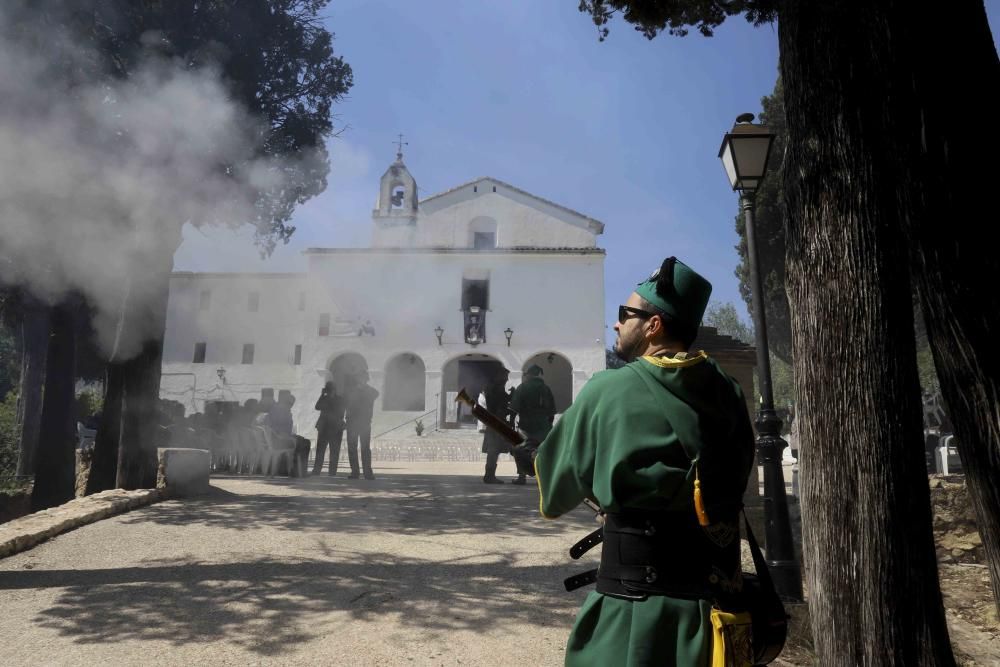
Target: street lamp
point(744, 155)
point(509, 333)
point(438, 331)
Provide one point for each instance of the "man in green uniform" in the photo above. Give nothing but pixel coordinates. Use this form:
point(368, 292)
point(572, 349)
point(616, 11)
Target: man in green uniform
point(635, 441)
point(535, 408)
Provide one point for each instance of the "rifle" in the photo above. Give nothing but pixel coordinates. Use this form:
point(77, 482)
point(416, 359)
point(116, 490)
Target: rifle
point(482, 414)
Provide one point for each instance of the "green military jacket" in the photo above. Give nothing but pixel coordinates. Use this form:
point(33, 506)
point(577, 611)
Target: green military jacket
point(535, 407)
point(631, 440)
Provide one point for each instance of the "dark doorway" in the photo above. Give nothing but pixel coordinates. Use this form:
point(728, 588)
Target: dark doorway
point(474, 375)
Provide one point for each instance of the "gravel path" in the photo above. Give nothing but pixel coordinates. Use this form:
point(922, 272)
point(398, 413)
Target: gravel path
point(425, 565)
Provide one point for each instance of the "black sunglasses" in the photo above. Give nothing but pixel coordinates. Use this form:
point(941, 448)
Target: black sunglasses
point(625, 312)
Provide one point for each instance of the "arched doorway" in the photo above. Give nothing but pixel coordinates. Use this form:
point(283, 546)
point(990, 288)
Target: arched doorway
point(471, 372)
point(557, 373)
point(344, 365)
point(405, 383)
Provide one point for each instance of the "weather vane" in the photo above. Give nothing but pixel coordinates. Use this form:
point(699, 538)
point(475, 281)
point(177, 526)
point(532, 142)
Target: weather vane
point(399, 146)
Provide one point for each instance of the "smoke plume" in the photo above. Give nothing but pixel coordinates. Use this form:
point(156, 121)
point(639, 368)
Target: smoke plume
point(98, 176)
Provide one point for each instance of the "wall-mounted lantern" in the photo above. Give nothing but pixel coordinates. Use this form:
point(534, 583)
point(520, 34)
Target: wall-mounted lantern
point(438, 331)
point(509, 333)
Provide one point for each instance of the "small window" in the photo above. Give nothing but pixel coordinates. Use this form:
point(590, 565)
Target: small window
point(324, 324)
point(205, 299)
point(494, 188)
point(484, 240)
point(199, 353)
point(302, 300)
point(247, 353)
point(298, 355)
point(475, 188)
point(253, 302)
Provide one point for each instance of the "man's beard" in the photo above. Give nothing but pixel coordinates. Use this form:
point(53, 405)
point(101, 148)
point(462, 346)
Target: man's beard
point(624, 351)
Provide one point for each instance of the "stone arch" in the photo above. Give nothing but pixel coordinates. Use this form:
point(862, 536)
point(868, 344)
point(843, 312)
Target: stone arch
point(557, 371)
point(405, 383)
point(344, 365)
point(466, 371)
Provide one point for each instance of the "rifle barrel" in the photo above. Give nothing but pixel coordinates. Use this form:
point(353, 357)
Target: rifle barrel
point(490, 419)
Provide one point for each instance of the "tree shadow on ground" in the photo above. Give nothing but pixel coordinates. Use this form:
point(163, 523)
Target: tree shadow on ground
point(266, 606)
point(411, 504)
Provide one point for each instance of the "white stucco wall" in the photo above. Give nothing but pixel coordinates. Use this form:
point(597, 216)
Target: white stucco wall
point(521, 220)
point(552, 299)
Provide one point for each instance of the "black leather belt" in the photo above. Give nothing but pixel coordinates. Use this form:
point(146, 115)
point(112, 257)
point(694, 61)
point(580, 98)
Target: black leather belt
point(646, 554)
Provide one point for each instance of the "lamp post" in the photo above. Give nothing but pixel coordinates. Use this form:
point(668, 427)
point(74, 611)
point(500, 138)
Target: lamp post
point(509, 333)
point(744, 154)
point(438, 331)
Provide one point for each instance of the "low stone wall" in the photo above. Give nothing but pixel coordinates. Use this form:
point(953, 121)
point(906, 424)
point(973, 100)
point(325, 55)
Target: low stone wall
point(182, 471)
point(26, 532)
point(955, 532)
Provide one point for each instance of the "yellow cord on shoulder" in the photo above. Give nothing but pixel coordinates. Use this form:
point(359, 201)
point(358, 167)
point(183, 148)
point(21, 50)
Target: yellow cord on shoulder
point(699, 503)
point(680, 360)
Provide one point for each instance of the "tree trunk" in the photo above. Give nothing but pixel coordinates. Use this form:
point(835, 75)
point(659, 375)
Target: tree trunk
point(34, 346)
point(145, 317)
point(55, 467)
point(137, 455)
point(952, 123)
point(104, 467)
point(872, 576)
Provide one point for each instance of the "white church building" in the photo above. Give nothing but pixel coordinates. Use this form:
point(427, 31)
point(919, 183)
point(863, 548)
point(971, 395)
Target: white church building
point(452, 285)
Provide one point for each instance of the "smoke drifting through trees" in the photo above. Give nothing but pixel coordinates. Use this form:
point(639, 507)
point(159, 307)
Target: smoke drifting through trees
point(96, 179)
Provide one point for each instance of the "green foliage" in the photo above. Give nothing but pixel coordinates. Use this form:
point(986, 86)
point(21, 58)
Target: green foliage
point(925, 367)
point(652, 18)
point(725, 318)
point(87, 404)
point(9, 437)
point(10, 361)
point(419, 427)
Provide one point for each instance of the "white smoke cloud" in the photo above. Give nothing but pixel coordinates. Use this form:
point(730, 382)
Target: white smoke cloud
point(97, 180)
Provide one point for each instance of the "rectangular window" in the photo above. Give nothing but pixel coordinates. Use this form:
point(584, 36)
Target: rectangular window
point(247, 353)
point(205, 299)
point(298, 355)
point(324, 324)
point(199, 353)
point(475, 293)
point(302, 300)
point(253, 302)
point(484, 240)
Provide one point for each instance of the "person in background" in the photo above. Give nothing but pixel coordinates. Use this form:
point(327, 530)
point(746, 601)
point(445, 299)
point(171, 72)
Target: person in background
point(360, 408)
point(496, 400)
point(535, 407)
point(329, 428)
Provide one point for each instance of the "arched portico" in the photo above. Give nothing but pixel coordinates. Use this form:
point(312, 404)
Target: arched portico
point(344, 365)
point(557, 372)
point(471, 372)
point(405, 383)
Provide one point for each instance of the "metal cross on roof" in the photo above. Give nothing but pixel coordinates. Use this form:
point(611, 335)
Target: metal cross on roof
point(399, 146)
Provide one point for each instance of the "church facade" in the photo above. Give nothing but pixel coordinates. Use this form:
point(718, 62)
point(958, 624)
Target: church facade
point(452, 286)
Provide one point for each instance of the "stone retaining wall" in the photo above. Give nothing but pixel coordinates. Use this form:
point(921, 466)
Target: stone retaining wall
point(24, 533)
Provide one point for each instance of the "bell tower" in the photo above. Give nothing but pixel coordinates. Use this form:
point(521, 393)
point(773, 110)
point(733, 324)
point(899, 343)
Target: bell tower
point(395, 214)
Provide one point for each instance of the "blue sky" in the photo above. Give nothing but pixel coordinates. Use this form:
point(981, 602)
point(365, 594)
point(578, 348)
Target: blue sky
point(626, 131)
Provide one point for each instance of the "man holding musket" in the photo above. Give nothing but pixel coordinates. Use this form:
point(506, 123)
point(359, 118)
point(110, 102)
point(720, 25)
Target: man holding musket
point(535, 407)
point(664, 446)
point(329, 428)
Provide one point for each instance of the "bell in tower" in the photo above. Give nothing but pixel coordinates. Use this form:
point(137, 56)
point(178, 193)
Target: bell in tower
point(395, 213)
